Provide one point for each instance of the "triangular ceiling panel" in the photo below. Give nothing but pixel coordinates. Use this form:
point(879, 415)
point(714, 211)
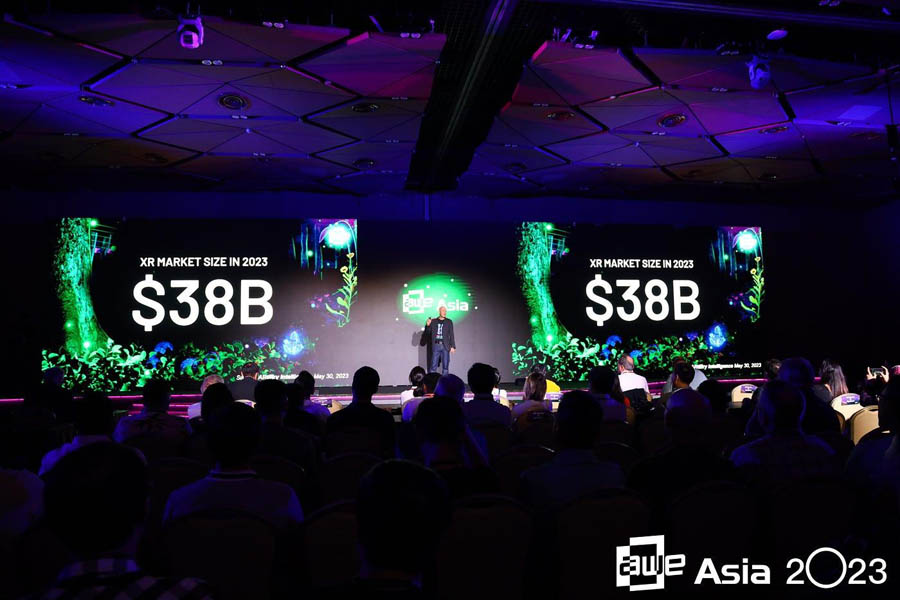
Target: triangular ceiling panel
point(653, 110)
point(297, 94)
point(157, 86)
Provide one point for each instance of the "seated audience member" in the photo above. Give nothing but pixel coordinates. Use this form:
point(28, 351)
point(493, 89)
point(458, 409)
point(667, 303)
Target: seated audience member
point(499, 393)
point(532, 396)
point(451, 386)
point(93, 423)
point(770, 371)
point(275, 438)
point(575, 470)
point(96, 503)
point(448, 446)
point(194, 409)
point(429, 384)
point(688, 459)
point(21, 501)
point(216, 396)
point(361, 413)
point(818, 416)
point(784, 452)
point(55, 397)
point(154, 419)
point(601, 384)
point(416, 389)
point(233, 437)
point(242, 389)
point(482, 409)
point(633, 386)
point(552, 386)
point(396, 554)
point(831, 377)
point(874, 464)
point(302, 413)
point(727, 430)
point(698, 377)
point(873, 387)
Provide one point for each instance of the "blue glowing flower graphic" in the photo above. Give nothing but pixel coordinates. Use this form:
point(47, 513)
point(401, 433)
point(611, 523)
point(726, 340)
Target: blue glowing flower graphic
point(292, 344)
point(691, 335)
point(163, 347)
point(635, 354)
point(717, 336)
point(613, 340)
point(153, 360)
point(188, 363)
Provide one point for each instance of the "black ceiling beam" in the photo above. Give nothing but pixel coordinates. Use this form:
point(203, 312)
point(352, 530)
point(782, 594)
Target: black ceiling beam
point(487, 44)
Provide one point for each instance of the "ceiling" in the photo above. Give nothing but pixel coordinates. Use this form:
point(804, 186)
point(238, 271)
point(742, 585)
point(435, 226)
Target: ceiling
point(113, 102)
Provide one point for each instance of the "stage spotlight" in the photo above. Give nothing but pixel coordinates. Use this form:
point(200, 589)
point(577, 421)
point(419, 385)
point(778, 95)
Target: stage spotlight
point(190, 31)
point(760, 72)
point(746, 241)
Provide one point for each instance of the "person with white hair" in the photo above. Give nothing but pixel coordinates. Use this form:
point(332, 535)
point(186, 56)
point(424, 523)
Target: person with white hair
point(193, 411)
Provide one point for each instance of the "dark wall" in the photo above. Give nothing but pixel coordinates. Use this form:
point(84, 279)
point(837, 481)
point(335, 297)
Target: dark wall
point(831, 285)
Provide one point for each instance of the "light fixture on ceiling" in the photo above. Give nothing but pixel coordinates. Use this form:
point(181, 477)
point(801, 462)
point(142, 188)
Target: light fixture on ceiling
point(364, 163)
point(95, 101)
point(774, 130)
point(233, 101)
point(6, 85)
point(777, 34)
point(759, 71)
point(365, 107)
point(157, 159)
point(560, 115)
point(190, 31)
point(672, 120)
point(768, 177)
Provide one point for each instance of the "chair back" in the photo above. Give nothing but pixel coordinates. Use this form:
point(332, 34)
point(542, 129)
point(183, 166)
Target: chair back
point(847, 405)
point(510, 464)
point(616, 431)
point(354, 439)
point(497, 437)
point(483, 553)
point(330, 545)
point(534, 427)
point(587, 532)
point(637, 400)
point(276, 468)
point(862, 422)
point(156, 447)
point(652, 435)
point(623, 455)
point(340, 475)
point(234, 552)
point(740, 393)
point(166, 476)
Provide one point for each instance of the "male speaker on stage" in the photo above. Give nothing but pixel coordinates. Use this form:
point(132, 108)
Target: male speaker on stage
point(439, 333)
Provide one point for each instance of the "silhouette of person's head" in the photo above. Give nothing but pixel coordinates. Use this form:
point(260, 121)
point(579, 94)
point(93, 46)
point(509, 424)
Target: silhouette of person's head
point(889, 407)
point(602, 380)
point(451, 386)
point(535, 387)
point(95, 500)
point(405, 546)
point(717, 393)
point(233, 435)
point(156, 395)
point(481, 378)
point(797, 371)
point(684, 374)
point(688, 417)
point(93, 414)
point(781, 406)
point(215, 397)
point(270, 396)
point(365, 384)
point(578, 420)
point(307, 384)
point(209, 380)
point(430, 382)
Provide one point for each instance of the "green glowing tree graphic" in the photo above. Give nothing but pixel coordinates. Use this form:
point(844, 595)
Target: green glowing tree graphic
point(534, 275)
point(72, 262)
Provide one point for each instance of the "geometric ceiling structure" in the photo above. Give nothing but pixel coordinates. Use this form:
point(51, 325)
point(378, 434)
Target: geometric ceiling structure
point(616, 119)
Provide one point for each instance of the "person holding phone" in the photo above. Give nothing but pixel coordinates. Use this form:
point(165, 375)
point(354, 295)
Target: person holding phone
point(439, 333)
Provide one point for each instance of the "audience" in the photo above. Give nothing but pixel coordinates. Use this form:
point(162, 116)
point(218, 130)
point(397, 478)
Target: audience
point(416, 382)
point(633, 386)
point(55, 397)
point(429, 384)
point(21, 501)
point(193, 411)
point(93, 424)
point(242, 389)
point(832, 378)
point(499, 393)
point(233, 437)
point(307, 385)
point(154, 419)
point(874, 464)
point(302, 413)
point(784, 452)
point(482, 409)
point(277, 439)
point(533, 396)
point(575, 470)
point(697, 377)
point(96, 502)
point(362, 414)
point(602, 385)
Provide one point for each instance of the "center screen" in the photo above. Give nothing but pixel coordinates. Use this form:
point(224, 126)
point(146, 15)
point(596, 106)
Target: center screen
point(179, 300)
